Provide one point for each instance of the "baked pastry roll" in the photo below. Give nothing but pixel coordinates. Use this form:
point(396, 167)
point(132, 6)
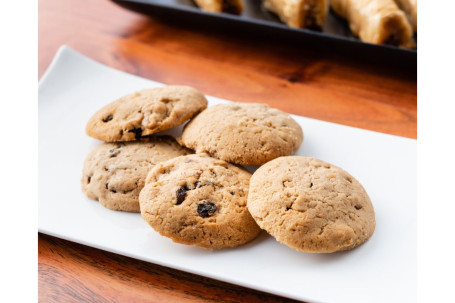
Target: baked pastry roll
point(410, 9)
point(299, 13)
point(221, 6)
point(376, 21)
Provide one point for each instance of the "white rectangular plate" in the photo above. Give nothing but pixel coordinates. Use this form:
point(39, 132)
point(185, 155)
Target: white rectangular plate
point(381, 270)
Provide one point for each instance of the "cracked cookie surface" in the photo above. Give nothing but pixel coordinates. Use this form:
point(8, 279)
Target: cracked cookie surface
point(114, 173)
point(243, 133)
point(146, 112)
point(196, 199)
point(310, 205)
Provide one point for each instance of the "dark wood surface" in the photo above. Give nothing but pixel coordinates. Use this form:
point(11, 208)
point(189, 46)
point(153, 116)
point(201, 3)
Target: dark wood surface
point(295, 78)
point(70, 272)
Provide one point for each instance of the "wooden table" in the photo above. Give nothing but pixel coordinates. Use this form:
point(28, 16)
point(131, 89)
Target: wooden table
point(294, 78)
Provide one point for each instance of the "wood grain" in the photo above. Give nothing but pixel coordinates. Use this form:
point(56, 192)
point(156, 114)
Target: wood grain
point(237, 66)
point(70, 272)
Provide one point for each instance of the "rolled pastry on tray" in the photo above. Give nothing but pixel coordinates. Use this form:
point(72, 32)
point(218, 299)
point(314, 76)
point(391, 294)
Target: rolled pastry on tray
point(376, 21)
point(299, 13)
point(221, 6)
point(410, 9)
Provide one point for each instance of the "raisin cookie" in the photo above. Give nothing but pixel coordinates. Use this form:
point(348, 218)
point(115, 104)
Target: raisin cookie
point(114, 173)
point(145, 113)
point(243, 133)
point(310, 205)
point(199, 200)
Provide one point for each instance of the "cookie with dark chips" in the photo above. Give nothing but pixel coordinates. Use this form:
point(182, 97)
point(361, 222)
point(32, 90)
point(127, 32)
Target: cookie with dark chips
point(199, 200)
point(146, 112)
point(114, 173)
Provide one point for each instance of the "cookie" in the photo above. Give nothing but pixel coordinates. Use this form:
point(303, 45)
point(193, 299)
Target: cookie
point(145, 113)
point(221, 6)
point(114, 173)
point(310, 205)
point(196, 199)
point(243, 133)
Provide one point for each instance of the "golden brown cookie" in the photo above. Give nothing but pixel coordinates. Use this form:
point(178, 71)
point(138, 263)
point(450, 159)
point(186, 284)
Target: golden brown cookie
point(199, 200)
point(310, 205)
point(243, 133)
point(114, 173)
point(145, 113)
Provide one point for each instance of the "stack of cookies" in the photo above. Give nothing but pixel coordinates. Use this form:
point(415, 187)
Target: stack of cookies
point(195, 190)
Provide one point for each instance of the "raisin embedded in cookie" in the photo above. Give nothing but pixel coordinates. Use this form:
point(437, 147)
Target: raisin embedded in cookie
point(196, 199)
point(310, 205)
point(114, 173)
point(243, 133)
point(145, 113)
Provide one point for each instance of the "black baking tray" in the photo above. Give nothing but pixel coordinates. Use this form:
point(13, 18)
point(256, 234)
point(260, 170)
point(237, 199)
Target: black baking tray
point(335, 35)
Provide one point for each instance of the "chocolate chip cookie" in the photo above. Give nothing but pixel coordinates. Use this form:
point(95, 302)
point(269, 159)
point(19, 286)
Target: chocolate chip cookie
point(310, 205)
point(114, 173)
point(243, 133)
point(145, 113)
point(196, 199)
